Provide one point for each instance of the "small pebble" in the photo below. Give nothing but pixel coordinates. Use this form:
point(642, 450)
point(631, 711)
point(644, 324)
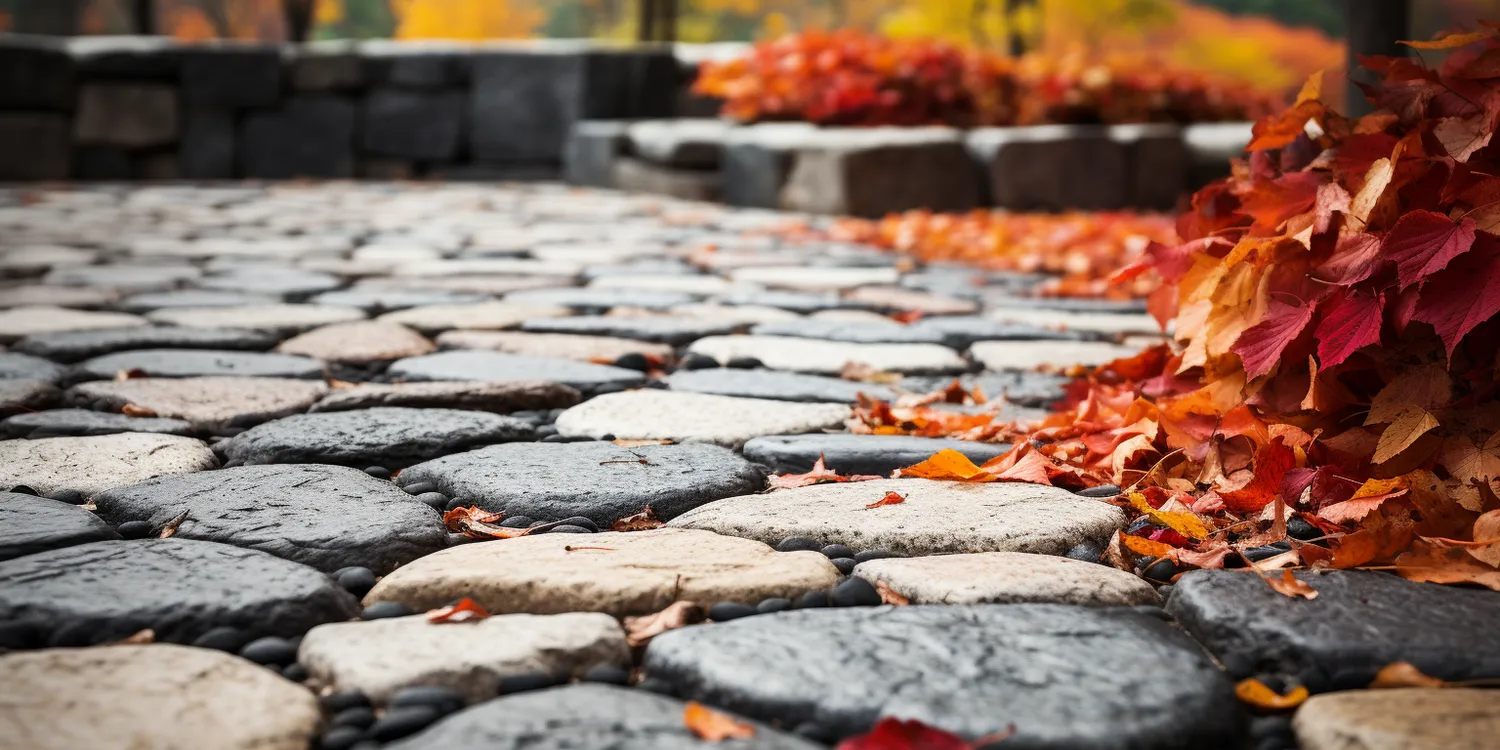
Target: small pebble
point(584, 521)
point(555, 438)
point(555, 413)
point(223, 638)
point(1144, 562)
point(744, 363)
point(359, 717)
point(1165, 590)
point(844, 564)
point(134, 529)
point(71, 497)
point(855, 592)
point(696, 361)
point(437, 500)
point(22, 489)
point(875, 554)
point(521, 683)
point(456, 503)
point(419, 488)
point(400, 722)
point(516, 522)
point(1103, 490)
point(813, 600)
point(1256, 554)
point(445, 700)
point(726, 611)
point(379, 472)
point(270, 651)
point(608, 674)
point(1161, 571)
point(658, 686)
point(776, 604)
point(834, 551)
point(1297, 528)
point(545, 431)
point(357, 581)
point(567, 528)
point(1139, 527)
point(633, 361)
point(294, 672)
point(455, 539)
point(798, 544)
point(1087, 552)
point(344, 700)
point(341, 738)
point(382, 610)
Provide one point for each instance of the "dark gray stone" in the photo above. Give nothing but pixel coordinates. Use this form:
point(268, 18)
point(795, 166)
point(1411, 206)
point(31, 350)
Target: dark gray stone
point(685, 143)
point(598, 480)
point(128, 115)
point(523, 103)
point(1078, 304)
point(1038, 167)
point(139, 276)
point(327, 517)
point(877, 172)
point(35, 73)
point(663, 330)
point(500, 367)
point(413, 124)
point(415, 65)
point(1360, 622)
point(757, 161)
point(15, 366)
point(580, 717)
point(73, 346)
point(859, 454)
point(290, 284)
point(638, 176)
point(386, 436)
point(207, 151)
point(108, 163)
point(22, 396)
point(327, 66)
point(309, 136)
point(377, 301)
point(144, 303)
point(1032, 389)
point(35, 146)
point(192, 363)
point(781, 386)
point(500, 398)
point(83, 422)
point(31, 524)
point(1064, 676)
point(181, 589)
point(600, 298)
point(590, 153)
point(125, 58)
point(231, 75)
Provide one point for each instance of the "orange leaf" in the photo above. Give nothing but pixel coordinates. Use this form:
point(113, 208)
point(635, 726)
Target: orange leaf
point(466, 610)
point(1032, 468)
point(1290, 585)
point(1182, 522)
point(1272, 462)
point(1257, 694)
point(713, 726)
point(889, 595)
point(1432, 564)
point(131, 410)
point(948, 464)
point(1451, 41)
point(1143, 546)
point(891, 498)
point(1400, 674)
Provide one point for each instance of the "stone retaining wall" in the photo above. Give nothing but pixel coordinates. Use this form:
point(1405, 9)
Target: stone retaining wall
point(118, 108)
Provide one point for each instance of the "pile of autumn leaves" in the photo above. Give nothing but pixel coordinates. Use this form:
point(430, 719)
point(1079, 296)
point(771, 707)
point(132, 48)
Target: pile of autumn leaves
point(849, 77)
point(1334, 307)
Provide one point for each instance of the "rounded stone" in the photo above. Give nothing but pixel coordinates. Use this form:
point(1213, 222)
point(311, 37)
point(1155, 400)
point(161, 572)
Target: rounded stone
point(378, 472)
point(84, 423)
point(445, 699)
point(294, 672)
point(106, 591)
point(385, 610)
point(94, 464)
point(341, 700)
point(222, 638)
point(844, 564)
point(618, 573)
point(62, 699)
point(936, 518)
point(343, 736)
point(400, 722)
point(499, 398)
point(30, 524)
point(498, 367)
point(798, 544)
point(859, 454)
point(830, 357)
point(726, 611)
point(214, 405)
point(1400, 719)
point(524, 683)
point(270, 651)
point(395, 436)
point(360, 342)
point(328, 517)
point(607, 674)
point(1006, 578)
point(814, 600)
point(359, 717)
point(774, 604)
point(681, 417)
point(357, 581)
point(855, 592)
point(191, 363)
point(835, 551)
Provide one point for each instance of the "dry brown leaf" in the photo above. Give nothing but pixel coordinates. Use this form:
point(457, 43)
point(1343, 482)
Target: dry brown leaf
point(638, 442)
point(889, 595)
point(891, 498)
point(640, 630)
point(1256, 693)
point(1400, 434)
point(1290, 585)
point(1427, 387)
point(817, 475)
point(1429, 563)
point(1402, 674)
point(131, 374)
point(477, 523)
point(643, 521)
point(131, 410)
point(466, 610)
point(170, 527)
point(1487, 533)
point(713, 726)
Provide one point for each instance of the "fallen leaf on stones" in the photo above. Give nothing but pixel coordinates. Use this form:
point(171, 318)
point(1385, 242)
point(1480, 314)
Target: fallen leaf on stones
point(1285, 559)
point(1145, 547)
point(476, 523)
point(889, 595)
point(947, 464)
point(138, 638)
point(818, 475)
point(131, 374)
point(1182, 522)
point(1257, 694)
point(1400, 674)
point(466, 610)
point(170, 527)
point(864, 373)
point(897, 734)
point(640, 630)
point(643, 521)
point(1290, 585)
point(638, 442)
point(131, 410)
point(891, 498)
point(1430, 563)
point(713, 726)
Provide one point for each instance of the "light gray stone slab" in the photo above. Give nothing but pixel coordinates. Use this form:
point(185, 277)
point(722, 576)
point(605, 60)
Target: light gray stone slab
point(93, 464)
point(830, 357)
point(1007, 578)
point(695, 417)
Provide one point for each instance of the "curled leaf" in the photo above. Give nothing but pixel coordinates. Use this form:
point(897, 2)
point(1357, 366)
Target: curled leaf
point(131, 410)
point(1256, 693)
point(466, 610)
point(817, 475)
point(643, 521)
point(1400, 674)
point(1290, 585)
point(713, 726)
point(891, 498)
point(640, 630)
point(890, 596)
point(477, 523)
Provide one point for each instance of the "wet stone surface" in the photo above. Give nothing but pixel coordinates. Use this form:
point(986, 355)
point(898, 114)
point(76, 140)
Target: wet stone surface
point(970, 669)
point(328, 517)
point(76, 346)
point(30, 524)
point(190, 363)
point(386, 436)
point(212, 405)
point(498, 367)
point(768, 384)
point(91, 464)
point(82, 423)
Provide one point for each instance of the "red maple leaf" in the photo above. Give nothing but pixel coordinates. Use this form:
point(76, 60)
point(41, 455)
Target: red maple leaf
point(896, 734)
point(1350, 323)
point(1423, 243)
point(1463, 295)
point(1261, 345)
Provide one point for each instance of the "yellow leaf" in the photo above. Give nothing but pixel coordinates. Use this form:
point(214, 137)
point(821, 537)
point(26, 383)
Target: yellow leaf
point(1452, 40)
point(1400, 674)
point(1181, 522)
point(1256, 693)
point(1377, 178)
point(948, 464)
point(1143, 546)
point(1412, 424)
point(1312, 88)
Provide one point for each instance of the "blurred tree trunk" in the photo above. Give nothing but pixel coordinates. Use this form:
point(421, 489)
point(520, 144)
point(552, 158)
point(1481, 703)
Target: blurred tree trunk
point(1017, 37)
point(1374, 28)
point(299, 18)
point(56, 17)
point(144, 16)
